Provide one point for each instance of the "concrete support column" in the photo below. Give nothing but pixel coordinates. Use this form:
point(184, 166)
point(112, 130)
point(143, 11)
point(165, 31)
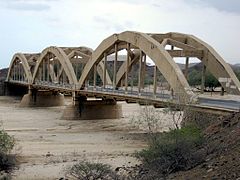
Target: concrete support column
point(104, 69)
point(58, 72)
point(43, 75)
point(20, 69)
point(22, 72)
point(15, 72)
point(155, 81)
point(126, 70)
point(144, 70)
point(76, 70)
point(203, 79)
point(48, 68)
point(115, 66)
point(94, 75)
point(186, 68)
point(74, 97)
point(140, 73)
point(19, 72)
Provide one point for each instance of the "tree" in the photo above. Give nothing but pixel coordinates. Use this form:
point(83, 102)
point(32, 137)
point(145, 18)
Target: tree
point(195, 79)
point(211, 81)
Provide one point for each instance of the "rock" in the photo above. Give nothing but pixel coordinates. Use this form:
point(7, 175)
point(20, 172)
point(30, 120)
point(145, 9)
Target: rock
point(204, 166)
point(209, 170)
point(117, 169)
point(49, 154)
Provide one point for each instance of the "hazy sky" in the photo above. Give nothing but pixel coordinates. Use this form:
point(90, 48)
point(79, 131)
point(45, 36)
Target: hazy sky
point(32, 25)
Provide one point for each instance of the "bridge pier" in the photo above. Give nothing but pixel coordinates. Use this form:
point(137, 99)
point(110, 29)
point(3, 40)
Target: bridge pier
point(83, 109)
point(36, 98)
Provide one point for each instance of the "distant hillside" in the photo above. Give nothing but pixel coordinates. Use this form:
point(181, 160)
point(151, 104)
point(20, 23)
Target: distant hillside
point(149, 68)
point(182, 66)
point(3, 74)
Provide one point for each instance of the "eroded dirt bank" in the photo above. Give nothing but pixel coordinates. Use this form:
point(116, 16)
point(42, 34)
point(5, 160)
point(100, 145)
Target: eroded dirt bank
point(47, 145)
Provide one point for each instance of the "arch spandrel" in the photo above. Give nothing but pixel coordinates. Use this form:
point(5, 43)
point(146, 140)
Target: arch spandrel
point(25, 65)
point(121, 70)
point(220, 69)
point(86, 53)
point(154, 50)
point(62, 58)
point(97, 56)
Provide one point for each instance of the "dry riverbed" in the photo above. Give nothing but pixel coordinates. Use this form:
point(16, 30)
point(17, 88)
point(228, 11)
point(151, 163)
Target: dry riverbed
point(47, 145)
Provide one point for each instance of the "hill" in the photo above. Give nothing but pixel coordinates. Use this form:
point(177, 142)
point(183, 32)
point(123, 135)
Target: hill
point(222, 149)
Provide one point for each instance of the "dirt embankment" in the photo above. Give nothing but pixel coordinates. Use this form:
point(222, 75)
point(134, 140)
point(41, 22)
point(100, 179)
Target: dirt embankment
point(223, 152)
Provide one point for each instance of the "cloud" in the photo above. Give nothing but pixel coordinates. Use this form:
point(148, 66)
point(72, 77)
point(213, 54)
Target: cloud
point(110, 23)
point(231, 6)
point(75, 23)
point(28, 5)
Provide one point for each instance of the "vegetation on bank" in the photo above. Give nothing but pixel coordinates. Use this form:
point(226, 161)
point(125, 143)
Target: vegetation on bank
point(172, 151)
point(91, 171)
point(7, 160)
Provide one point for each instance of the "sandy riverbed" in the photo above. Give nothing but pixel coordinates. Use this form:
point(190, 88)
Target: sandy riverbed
point(47, 144)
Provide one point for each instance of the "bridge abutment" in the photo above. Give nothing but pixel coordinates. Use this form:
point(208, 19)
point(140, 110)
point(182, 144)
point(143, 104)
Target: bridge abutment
point(83, 109)
point(36, 98)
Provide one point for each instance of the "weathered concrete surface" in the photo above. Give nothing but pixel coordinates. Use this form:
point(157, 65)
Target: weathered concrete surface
point(96, 109)
point(42, 99)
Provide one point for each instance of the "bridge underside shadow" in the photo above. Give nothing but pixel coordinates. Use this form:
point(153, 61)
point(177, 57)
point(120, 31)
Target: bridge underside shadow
point(85, 109)
point(37, 98)
point(14, 90)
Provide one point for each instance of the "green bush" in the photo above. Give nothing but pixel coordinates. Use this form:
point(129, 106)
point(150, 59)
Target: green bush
point(6, 142)
point(173, 151)
point(7, 161)
point(91, 171)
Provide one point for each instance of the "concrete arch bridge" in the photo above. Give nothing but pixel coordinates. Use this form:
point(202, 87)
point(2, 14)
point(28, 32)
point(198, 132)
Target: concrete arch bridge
point(106, 74)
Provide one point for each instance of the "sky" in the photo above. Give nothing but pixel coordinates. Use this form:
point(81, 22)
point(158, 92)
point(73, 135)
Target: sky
point(31, 25)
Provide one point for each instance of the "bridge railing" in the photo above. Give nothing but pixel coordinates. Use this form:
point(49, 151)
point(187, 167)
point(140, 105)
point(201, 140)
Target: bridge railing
point(55, 85)
point(17, 81)
point(121, 91)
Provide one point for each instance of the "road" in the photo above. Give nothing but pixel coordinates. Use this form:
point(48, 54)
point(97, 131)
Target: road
point(222, 103)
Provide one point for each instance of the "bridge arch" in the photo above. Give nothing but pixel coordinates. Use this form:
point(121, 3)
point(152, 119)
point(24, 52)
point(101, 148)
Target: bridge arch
point(219, 68)
point(21, 57)
point(154, 50)
point(62, 58)
point(85, 53)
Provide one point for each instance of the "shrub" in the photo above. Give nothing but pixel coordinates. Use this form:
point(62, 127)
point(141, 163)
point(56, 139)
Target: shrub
point(173, 151)
point(7, 161)
point(6, 142)
point(91, 171)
